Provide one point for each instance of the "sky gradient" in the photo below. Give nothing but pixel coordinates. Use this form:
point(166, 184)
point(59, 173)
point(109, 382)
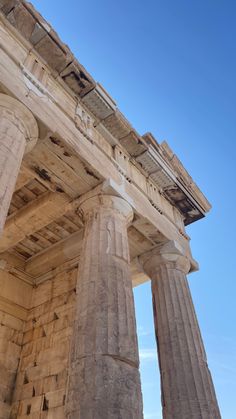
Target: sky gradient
point(170, 65)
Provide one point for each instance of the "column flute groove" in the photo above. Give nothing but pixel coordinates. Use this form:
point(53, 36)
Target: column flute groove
point(181, 349)
point(164, 308)
point(192, 335)
point(188, 353)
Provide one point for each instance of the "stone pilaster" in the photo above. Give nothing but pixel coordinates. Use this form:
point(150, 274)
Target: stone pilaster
point(18, 134)
point(104, 380)
point(186, 383)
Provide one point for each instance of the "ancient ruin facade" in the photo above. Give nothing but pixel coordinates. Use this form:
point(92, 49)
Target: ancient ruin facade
point(89, 208)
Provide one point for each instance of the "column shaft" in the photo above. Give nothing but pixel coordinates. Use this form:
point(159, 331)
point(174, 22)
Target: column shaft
point(104, 378)
point(18, 133)
point(186, 383)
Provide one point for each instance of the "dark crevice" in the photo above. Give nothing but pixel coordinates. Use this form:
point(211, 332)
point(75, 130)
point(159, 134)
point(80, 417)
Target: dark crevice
point(45, 404)
point(26, 380)
point(90, 173)
point(42, 173)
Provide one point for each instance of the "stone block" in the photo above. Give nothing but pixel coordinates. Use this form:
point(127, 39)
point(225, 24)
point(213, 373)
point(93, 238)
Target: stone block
point(11, 321)
point(42, 293)
point(4, 410)
point(55, 398)
point(31, 405)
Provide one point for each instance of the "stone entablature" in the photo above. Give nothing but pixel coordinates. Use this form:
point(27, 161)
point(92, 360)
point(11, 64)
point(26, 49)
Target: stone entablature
point(92, 154)
point(167, 175)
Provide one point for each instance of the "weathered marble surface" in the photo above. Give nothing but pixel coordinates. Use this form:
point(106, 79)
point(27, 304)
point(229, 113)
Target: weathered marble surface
point(104, 377)
point(186, 383)
point(18, 133)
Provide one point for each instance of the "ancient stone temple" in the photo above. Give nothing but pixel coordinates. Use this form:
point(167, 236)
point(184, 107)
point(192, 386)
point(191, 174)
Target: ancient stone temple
point(89, 208)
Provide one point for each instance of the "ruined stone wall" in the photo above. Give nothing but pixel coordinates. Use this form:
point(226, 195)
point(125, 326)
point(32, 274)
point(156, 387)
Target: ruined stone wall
point(42, 375)
point(11, 332)
point(15, 298)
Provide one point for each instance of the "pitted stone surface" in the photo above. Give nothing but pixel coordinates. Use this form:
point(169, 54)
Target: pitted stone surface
point(104, 344)
point(42, 374)
point(186, 383)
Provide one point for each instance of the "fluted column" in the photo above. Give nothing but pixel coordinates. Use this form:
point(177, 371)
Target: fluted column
point(186, 383)
point(104, 380)
point(18, 134)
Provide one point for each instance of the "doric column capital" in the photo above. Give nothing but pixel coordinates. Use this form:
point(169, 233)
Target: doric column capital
point(18, 115)
point(106, 203)
point(169, 254)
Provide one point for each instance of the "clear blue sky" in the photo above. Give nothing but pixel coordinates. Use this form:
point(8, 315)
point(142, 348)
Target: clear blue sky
point(171, 66)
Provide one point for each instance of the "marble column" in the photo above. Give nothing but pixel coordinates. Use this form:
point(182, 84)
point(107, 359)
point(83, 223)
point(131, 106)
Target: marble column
point(104, 381)
point(18, 134)
point(186, 383)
